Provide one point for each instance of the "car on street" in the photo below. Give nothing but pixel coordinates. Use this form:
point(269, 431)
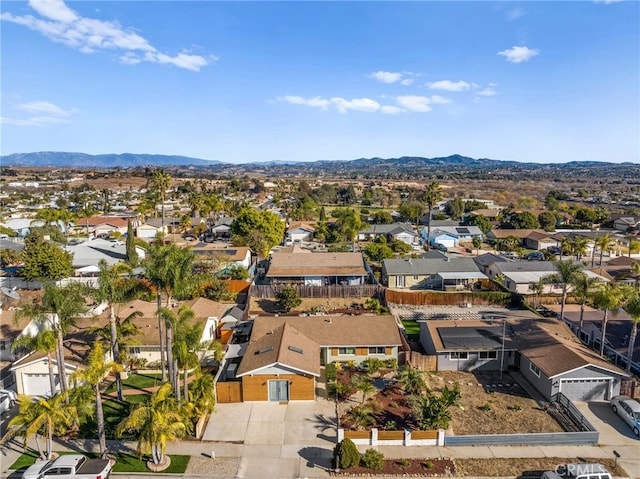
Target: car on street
point(440, 247)
point(8, 399)
point(629, 410)
point(554, 250)
point(71, 466)
point(534, 256)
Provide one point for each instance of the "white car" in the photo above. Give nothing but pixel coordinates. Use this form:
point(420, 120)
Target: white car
point(629, 410)
point(8, 399)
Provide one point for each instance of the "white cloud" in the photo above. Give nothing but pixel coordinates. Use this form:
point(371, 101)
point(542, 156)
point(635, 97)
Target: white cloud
point(404, 78)
point(43, 107)
point(392, 110)
point(488, 91)
point(342, 105)
point(386, 77)
point(519, 54)
point(61, 24)
point(439, 100)
point(607, 2)
point(449, 85)
point(414, 102)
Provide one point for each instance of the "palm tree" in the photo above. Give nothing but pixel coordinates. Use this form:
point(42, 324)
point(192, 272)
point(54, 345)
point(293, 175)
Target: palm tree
point(41, 417)
point(433, 194)
point(157, 421)
point(160, 182)
point(412, 379)
point(634, 245)
point(633, 309)
point(604, 244)
point(93, 374)
point(201, 394)
point(579, 247)
point(126, 330)
point(583, 290)
point(537, 288)
point(44, 341)
point(115, 289)
point(609, 298)
point(565, 274)
point(188, 337)
point(364, 385)
point(59, 309)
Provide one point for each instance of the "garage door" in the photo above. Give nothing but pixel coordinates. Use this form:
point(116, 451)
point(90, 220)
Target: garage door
point(37, 384)
point(585, 389)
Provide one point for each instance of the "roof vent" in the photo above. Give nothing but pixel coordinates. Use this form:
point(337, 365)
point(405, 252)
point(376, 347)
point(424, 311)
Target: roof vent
point(295, 349)
point(264, 350)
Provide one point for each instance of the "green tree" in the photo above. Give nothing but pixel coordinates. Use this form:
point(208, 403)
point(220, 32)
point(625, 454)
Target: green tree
point(159, 183)
point(97, 368)
point(547, 220)
point(363, 384)
point(481, 222)
point(433, 194)
point(185, 346)
point(378, 251)
point(583, 289)
point(523, 220)
point(41, 417)
point(603, 243)
point(346, 454)
point(59, 309)
point(157, 421)
point(633, 309)
point(476, 241)
point(288, 298)
point(44, 260)
point(610, 298)
point(260, 230)
point(382, 218)
point(348, 222)
point(132, 255)
point(455, 208)
point(566, 272)
point(432, 412)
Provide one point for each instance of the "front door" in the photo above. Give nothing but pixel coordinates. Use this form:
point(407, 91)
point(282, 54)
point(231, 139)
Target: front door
point(279, 390)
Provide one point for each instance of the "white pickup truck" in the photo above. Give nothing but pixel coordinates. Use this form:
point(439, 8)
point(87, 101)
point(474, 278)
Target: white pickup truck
point(578, 471)
point(72, 466)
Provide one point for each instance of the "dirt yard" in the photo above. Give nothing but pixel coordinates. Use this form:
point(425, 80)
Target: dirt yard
point(493, 405)
point(308, 304)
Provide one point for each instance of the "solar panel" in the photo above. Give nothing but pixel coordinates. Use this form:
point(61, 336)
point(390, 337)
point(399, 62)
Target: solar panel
point(464, 231)
point(471, 338)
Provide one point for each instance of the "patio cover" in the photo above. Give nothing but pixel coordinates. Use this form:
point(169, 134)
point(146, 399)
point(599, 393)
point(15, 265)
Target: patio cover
point(462, 275)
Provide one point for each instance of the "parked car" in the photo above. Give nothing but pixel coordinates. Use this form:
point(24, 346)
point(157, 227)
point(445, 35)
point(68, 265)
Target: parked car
point(440, 247)
point(534, 256)
point(71, 466)
point(578, 471)
point(554, 250)
point(8, 399)
point(629, 410)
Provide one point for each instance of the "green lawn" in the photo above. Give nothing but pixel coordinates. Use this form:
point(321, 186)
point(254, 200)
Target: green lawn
point(137, 381)
point(124, 462)
point(412, 328)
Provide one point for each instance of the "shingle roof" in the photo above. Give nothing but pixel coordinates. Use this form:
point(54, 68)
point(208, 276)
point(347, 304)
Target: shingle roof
point(429, 266)
point(526, 266)
point(316, 264)
point(337, 330)
point(284, 346)
point(488, 258)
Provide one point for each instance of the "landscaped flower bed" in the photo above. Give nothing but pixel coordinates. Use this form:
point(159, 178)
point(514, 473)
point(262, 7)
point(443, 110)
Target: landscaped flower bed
point(405, 467)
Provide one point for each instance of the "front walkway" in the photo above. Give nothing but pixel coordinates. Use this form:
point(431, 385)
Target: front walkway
point(295, 439)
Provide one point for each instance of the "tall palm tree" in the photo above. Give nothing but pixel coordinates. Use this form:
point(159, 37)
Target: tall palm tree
point(179, 322)
point(579, 247)
point(44, 341)
point(188, 336)
point(201, 394)
point(433, 194)
point(59, 310)
point(114, 289)
point(610, 298)
point(93, 374)
point(157, 421)
point(604, 244)
point(160, 182)
point(39, 417)
point(633, 309)
point(565, 274)
point(634, 245)
point(584, 288)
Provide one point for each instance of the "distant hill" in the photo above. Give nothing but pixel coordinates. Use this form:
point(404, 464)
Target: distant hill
point(83, 160)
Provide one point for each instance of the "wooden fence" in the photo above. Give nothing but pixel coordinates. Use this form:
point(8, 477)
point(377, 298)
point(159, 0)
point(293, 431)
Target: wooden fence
point(378, 437)
point(330, 291)
point(423, 362)
point(237, 285)
point(228, 392)
point(422, 298)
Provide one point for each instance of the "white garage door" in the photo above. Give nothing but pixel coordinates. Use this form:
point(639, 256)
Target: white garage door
point(585, 389)
point(37, 384)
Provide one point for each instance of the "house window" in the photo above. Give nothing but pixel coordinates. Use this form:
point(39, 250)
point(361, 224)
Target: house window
point(534, 369)
point(3, 346)
point(376, 350)
point(347, 351)
point(416, 277)
point(459, 355)
point(488, 355)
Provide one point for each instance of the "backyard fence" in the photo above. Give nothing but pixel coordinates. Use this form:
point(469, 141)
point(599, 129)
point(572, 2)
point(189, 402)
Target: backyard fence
point(423, 298)
point(229, 392)
point(424, 362)
point(267, 291)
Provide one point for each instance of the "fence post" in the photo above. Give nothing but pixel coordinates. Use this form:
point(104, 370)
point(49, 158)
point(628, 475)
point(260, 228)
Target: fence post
point(340, 434)
point(407, 437)
point(440, 439)
point(374, 436)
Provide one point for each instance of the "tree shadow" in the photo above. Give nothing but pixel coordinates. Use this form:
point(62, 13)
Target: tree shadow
point(317, 457)
point(322, 423)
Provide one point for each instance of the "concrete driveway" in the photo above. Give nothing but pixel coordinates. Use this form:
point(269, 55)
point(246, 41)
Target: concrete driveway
point(615, 434)
point(289, 440)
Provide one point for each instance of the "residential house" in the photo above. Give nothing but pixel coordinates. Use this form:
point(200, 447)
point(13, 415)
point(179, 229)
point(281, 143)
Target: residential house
point(443, 274)
point(539, 240)
point(627, 223)
point(152, 227)
point(298, 232)
point(105, 225)
point(520, 234)
point(544, 350)
point(518, 275)
point(87, 255)
point(223, 256)
point(316, 269)
point(221, 229)
point(22, 226)
point(282, 361)
point(451, 236)
point(9, 332)
point(395, 231)
point(621, 269)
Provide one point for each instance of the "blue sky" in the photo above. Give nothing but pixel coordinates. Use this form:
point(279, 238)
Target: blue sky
point(242, 81)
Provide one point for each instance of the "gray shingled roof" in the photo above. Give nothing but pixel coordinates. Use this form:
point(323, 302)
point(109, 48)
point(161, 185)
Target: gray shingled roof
point(429, 266)
point(526, 266)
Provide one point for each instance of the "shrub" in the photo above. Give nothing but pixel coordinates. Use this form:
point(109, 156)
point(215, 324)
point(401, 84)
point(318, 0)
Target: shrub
point(373, 459)
point(515, 407)
point(390, 425)
point(288, 299)
point(486, 407)
point(428, 464)
point(347, 453)
point(404, 462)
point(331, 372)
point(392, 363)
